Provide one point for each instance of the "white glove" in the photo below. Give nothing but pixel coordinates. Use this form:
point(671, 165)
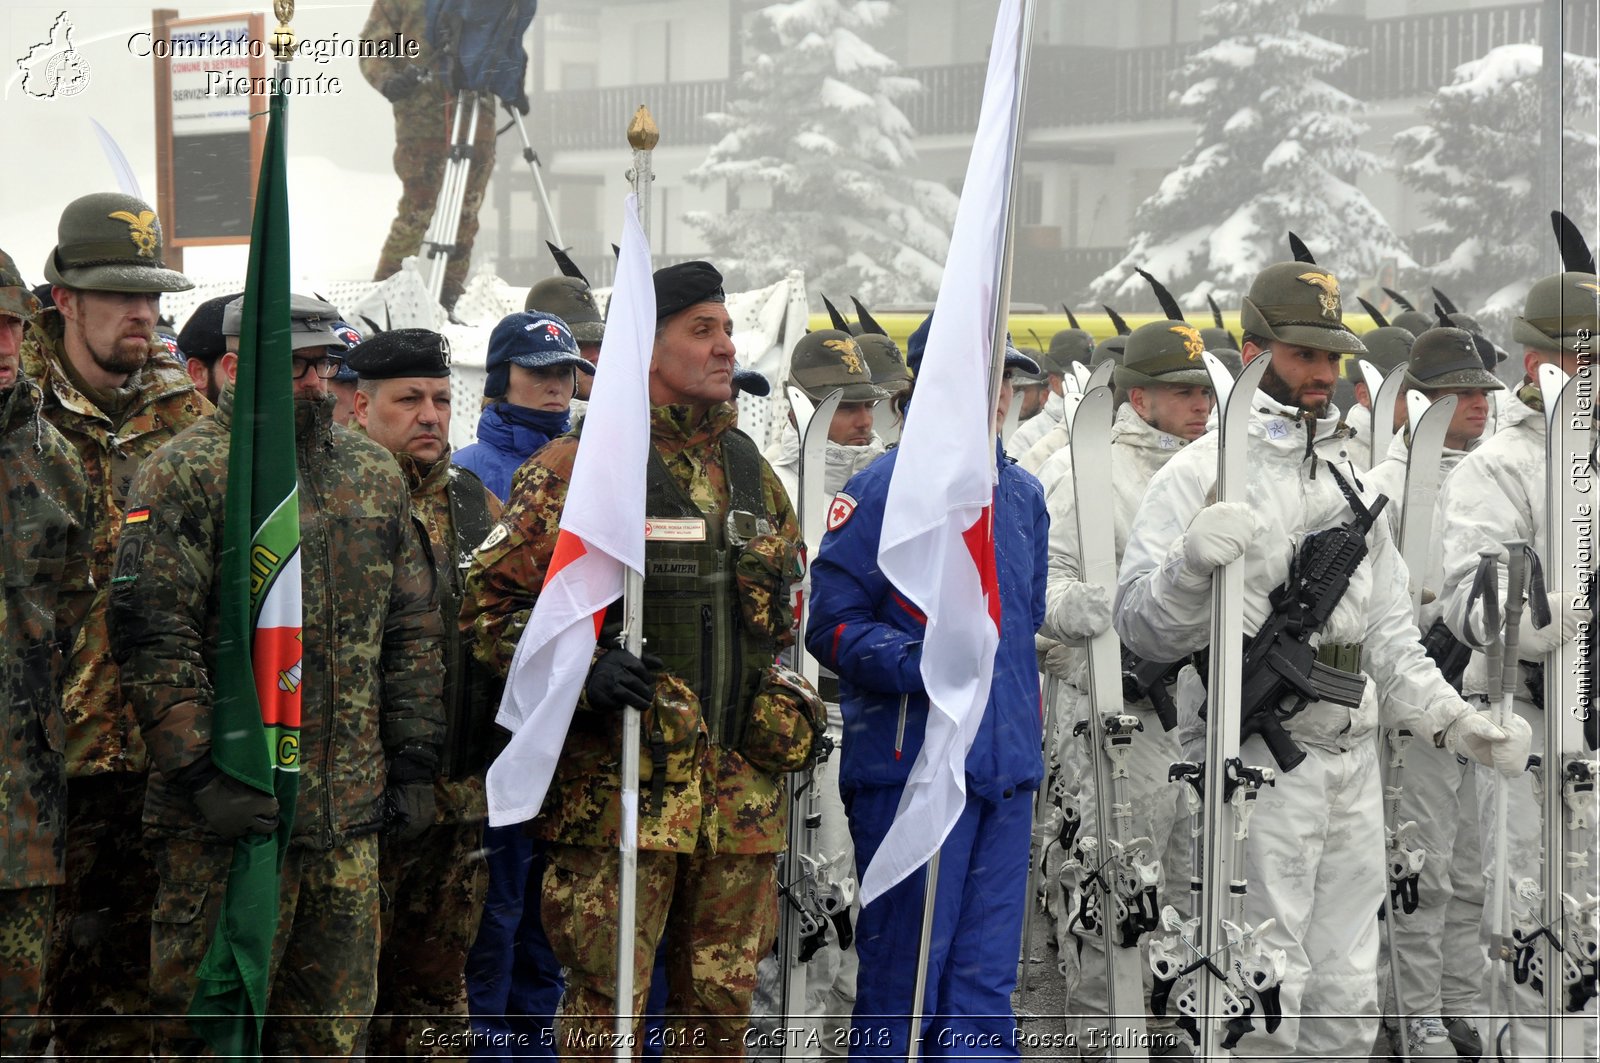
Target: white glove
point(1082, 611)
point(1474, 735)
point(1055, 658)
point(1218, 534)
point(1565, 616)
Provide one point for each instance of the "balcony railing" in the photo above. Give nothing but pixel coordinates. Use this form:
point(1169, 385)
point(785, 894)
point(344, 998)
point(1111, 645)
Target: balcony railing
point(1075, 85)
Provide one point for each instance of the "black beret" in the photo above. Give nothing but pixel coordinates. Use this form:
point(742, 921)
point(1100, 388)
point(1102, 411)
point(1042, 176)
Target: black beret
point(751, 381)
point(401, 352)
point(683, 285)
point(201, 337)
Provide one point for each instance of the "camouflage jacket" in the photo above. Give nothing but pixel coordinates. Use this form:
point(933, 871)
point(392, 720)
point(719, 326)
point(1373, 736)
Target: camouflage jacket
point(421, 115)
point(102, 735)
point(370, 634)
point(722, 802)
point(469, 711)
point(44, 559)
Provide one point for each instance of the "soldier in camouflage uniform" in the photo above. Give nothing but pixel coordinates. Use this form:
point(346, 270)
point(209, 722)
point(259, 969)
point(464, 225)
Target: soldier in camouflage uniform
point(424, 113)
point(44, 564)
point(723, 725)
point(371, 723)
point(433, 886)
point(114, 392)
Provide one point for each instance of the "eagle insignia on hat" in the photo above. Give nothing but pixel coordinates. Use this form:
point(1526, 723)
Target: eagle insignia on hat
point(1193, 345)
point(848, 354)
point(1329, 284)
point(143, 229)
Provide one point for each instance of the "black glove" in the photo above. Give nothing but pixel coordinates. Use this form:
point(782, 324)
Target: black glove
point(619, 680)
point(408, 802)
point(231, 808)
point(404, 83)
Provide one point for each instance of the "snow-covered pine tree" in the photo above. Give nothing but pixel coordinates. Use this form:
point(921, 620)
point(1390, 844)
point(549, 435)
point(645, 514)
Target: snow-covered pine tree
point(1277, 148)
point(814, 124)
point(1476, 154)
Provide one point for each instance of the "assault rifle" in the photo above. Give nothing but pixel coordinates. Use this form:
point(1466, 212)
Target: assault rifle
point(1144, 679)
point(1279, 660)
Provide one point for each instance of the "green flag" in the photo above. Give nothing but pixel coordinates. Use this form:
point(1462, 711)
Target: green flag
point(255, 730)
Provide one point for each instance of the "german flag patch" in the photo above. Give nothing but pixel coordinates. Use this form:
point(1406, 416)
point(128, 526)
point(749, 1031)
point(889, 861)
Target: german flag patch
point(136, 516)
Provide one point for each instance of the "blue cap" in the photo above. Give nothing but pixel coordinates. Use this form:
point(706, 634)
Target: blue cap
point(751, 381)
point(347, 332)
point(918, 340)
point(534, 340)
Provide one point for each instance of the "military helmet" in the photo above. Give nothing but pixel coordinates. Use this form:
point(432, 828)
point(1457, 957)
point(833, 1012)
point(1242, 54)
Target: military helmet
point(110, 242)
point(1067, 346)
point(1298, 303)
point(1561, 314)
point(829, 359)
point(1162, 352)
point(885, 364)
point(570, 299)
point(1109, 350)
point(15, 298)
point(1448, 358)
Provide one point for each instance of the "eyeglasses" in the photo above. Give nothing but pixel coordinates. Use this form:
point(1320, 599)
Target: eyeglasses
point(327, 366)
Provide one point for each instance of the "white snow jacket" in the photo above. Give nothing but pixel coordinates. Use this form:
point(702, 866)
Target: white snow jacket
point(1033, 429)
point(1494, 495)
point(1359, 420)
point(1163, 607)
point(842, 462)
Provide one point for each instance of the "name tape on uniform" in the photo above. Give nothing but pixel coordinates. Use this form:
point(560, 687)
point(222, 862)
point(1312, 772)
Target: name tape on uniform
point(686, 530)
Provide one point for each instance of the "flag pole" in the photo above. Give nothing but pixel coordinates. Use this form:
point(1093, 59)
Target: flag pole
point(997, 360)
point(642, 138)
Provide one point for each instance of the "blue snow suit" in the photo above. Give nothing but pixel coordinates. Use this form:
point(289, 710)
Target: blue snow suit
point(507, 436)
point(862, 628)
point(514, 983)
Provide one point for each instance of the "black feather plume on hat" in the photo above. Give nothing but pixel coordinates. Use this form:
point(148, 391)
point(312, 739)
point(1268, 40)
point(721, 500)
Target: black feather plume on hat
point(1301, 252)
point(1397, 297)
point(1116, 321)
point(1444, 317)
point(565, 264)
point(1168, 304)
point(1072, 320)
point(1373, 312)
point(837, 318)
point(867, 322)
point(1575, 254)
point(1444, 302)
point(1216, 312)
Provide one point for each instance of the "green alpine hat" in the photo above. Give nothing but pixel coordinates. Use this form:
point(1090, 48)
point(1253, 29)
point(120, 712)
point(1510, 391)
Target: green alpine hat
point(1162, 352)
point(1561, 312)
point(570, 299)
point(1109, 349)
point(15, 298)
point(1219, 339)
point(1298, 303)
point(1448, 358)
point(1068, 346)
point(110, 242)
point(885, 364)
point(1388, 348)
point(829, 359)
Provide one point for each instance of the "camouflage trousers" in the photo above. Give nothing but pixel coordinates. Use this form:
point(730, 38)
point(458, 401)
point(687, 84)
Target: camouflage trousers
point(422, 128)
point(24, 934)
point(719, 914)
point(324, 955)
point(99, 983)
point(433, 891)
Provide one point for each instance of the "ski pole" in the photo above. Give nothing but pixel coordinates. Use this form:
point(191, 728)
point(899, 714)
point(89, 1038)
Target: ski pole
point(1052, 686)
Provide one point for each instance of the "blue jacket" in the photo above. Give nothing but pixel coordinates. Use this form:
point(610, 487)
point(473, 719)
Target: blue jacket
point(867, 632)
point(505, 442)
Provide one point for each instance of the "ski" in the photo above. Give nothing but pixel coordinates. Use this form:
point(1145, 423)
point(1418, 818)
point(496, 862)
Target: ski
point(1566, 964)
point(802, 922)
point(1125, 873)
point(1383, 401)
point(1230, 966)
point(1428, 423)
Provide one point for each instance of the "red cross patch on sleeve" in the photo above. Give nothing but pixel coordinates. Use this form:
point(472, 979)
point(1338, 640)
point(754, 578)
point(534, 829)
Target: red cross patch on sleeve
point(840, 510)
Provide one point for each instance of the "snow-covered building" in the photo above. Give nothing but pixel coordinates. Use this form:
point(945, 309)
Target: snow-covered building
point(1103, 128)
